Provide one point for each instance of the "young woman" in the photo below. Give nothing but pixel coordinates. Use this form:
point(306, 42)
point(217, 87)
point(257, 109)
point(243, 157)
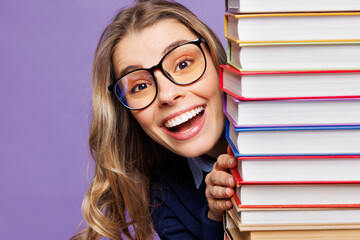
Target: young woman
point(157, 128)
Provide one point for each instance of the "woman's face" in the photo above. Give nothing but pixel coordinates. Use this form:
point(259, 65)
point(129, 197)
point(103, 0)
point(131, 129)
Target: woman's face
point(174, 104)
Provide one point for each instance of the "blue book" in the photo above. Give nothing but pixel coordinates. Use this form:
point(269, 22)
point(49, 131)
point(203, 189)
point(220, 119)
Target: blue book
point(294, 141)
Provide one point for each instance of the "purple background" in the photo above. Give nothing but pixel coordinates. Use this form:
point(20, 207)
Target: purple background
point(46, 50)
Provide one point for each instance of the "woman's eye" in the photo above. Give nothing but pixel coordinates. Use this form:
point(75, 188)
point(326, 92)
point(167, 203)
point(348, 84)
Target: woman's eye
point(182, 65)
point(139, 87)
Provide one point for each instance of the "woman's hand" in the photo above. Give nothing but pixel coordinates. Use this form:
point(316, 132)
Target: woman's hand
point(219, 186)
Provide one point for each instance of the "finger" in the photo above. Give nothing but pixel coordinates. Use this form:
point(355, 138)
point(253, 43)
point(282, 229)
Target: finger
point(219, 192)
point(218, 206)
point(221, 178)
point(225, 161)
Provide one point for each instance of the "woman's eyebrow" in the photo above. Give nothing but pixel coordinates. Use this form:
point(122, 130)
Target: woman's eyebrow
point(173, 45)
point(167, 49)
point(128, 69)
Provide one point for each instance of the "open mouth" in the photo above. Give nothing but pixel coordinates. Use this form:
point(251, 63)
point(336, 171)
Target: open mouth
point(185, 121)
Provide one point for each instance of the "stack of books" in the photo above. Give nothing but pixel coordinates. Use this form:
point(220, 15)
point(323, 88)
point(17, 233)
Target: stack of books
point(292, 100)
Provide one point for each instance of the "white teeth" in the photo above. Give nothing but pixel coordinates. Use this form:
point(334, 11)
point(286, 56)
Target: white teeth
point(183, 117)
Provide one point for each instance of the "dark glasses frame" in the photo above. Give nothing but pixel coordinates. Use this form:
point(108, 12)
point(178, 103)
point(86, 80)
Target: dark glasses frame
point(159, 66)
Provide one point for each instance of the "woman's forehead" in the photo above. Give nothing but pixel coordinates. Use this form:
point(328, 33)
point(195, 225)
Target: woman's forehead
point(146, 47)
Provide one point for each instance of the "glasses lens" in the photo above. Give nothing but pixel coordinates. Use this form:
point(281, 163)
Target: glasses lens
point(136, 90)
point(184, 64)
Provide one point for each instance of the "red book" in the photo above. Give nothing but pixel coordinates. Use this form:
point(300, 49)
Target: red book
point(296, 194)
point(282, 85)
point(311, 169)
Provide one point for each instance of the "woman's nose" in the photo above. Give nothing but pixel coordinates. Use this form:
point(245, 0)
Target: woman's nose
point(168, 92)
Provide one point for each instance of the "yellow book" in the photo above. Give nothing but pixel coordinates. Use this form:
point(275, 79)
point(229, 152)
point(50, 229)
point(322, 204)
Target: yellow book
point(293, 27)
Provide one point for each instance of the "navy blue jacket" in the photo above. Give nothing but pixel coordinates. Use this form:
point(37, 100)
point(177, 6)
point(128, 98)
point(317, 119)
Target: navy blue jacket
point(179, 210)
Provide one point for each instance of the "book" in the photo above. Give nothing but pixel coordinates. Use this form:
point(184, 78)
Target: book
point(342, 234)
point(294, 57)
point(290, 231)
point(293, 27)
point(256, 6)
point(325, 218)
point(297, 194)
point(310, 112)
point(244, 227)
point(278, 85)
point(297, 168)
point(231, 230)
point(285, 141)
point(287, 231)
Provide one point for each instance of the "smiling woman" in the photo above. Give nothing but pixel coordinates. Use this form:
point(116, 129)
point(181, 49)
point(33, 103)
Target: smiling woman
point(157, 128)
point(180, 91)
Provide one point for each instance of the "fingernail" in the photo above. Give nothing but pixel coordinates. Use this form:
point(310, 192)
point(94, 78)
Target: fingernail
point(230, 181)
point(228, 203)
point(231, 161)
point(227, 192)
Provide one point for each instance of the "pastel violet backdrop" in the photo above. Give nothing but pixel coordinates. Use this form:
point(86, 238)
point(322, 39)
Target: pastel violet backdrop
point(46, 51)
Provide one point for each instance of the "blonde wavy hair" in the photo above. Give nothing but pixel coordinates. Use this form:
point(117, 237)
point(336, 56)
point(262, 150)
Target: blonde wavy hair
point(117, 202)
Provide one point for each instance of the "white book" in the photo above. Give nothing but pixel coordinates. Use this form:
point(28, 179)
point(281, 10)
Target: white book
point(289, 85)
point(294, 57)
point(254, 28)
point(315, 112)
point(298, 194)
point(250, 6)
point(299, 169)
point(300, 216)
point(294, 141)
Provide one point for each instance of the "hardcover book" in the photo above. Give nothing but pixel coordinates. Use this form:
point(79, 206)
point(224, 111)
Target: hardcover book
point(310, 112)
point(256, 6)
point(236, 216)
point(296, 194)
point(297, 169)
point(231, 230)
point(301, 219)
point(285, 141)
point(327, 231)
point(295, 27)
point(278, 85)
point(294, 57)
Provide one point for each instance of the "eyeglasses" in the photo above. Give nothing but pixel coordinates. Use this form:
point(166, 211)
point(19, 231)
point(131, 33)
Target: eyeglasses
point(182, 65)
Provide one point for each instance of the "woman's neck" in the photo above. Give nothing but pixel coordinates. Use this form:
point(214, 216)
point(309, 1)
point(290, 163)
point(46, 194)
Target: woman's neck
point(219, 148)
